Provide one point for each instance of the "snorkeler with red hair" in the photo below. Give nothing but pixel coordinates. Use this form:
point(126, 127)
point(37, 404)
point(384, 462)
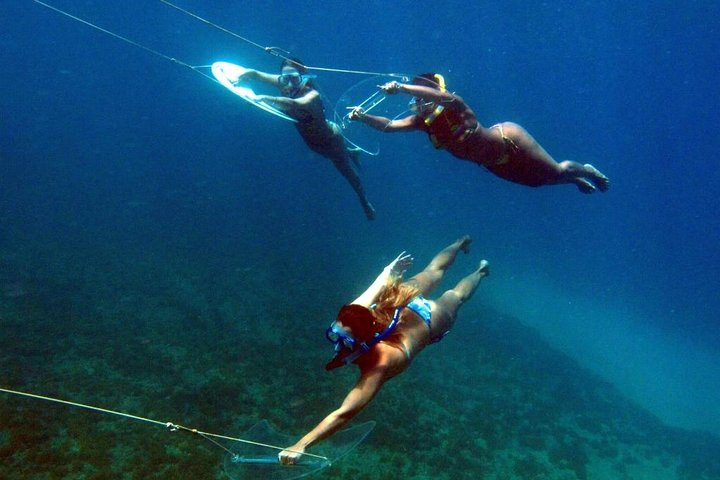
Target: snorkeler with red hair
point(383, 330)
point(301, 101)
point(505, 149)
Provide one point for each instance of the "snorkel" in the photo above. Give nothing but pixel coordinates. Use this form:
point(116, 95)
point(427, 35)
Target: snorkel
point(432, 80)
point(351, 346)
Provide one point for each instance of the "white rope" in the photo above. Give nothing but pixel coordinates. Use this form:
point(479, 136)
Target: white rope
point(275, 50)
point(172, 426)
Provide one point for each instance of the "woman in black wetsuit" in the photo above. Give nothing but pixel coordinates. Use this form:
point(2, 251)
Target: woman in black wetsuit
point(303, 103)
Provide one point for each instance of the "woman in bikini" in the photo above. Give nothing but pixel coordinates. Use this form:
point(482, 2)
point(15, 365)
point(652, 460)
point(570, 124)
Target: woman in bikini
point(383, 329)
point(505, 149)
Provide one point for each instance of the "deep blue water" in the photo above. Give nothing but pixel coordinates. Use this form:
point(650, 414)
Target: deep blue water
point(104, 143)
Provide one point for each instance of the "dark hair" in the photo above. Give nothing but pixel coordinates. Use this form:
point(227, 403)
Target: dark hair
point(295, 63)
point(427, 80)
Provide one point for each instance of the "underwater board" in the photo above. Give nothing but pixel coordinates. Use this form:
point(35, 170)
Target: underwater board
point(253, 462)
point(227, 74)
point(367, 95)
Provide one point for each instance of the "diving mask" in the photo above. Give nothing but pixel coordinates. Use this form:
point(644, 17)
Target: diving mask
point(294, 80)
point(339, 337)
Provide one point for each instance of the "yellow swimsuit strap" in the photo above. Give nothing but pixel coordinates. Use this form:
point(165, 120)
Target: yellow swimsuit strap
point(507, 141)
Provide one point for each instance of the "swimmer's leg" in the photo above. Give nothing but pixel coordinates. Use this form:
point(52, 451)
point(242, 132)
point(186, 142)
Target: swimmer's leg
point(428, 279)
point(535, 166)
point(354, 154)
point(467, 286)
point(352, 151)
point(446, 307)
point(347, 170)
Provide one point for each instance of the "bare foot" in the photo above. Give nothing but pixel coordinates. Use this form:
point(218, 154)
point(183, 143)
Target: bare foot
point(465, 242)
point(484, 268)
point(585, 186)
point(369, 210)
point(601, 181)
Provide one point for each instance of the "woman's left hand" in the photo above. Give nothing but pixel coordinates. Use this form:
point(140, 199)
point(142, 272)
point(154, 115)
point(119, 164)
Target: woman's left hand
point(356, 113)
point(391, 87)
point(401, 263)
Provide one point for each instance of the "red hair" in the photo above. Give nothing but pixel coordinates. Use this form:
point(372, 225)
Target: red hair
point(366, 323)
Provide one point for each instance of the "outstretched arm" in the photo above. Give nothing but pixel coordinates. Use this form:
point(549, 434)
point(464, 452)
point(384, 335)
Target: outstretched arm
point(384, 124)
point(364, 390)
point(390, 273)
point(250, 74)
point(425, 93)
point(286, 103)
point(405, 124)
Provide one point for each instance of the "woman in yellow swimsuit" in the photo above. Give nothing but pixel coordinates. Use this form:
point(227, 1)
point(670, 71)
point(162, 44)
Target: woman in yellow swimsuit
point(505, 149)
point(383, 329)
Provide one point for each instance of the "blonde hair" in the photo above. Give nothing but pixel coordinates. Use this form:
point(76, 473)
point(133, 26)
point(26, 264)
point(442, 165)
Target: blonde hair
point(394, 295)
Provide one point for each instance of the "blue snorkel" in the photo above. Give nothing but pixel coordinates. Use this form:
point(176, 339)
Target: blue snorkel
point(342, 339)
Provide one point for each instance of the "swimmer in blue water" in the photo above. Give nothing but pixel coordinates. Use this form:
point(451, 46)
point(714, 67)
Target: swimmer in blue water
point(505, 149)
point(300, 100)
point(383, 329)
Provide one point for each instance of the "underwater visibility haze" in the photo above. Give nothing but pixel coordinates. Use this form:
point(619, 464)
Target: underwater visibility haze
point(169, 251)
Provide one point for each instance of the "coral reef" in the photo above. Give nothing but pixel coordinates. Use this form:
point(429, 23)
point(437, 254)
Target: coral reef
point(218, 349)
